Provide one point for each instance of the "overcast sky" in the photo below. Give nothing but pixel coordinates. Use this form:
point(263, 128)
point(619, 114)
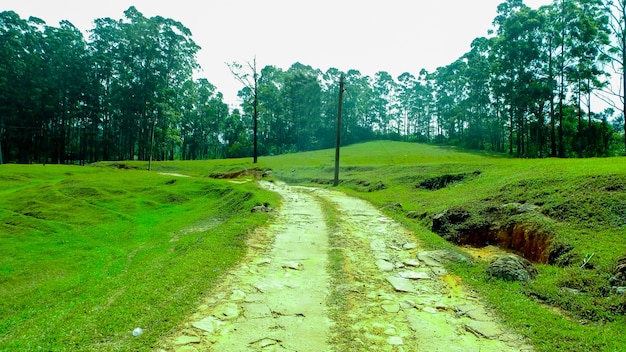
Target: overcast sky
point(392, 35)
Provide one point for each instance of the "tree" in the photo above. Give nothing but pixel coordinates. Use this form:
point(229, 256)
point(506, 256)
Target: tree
point(478, 102)
point(519, 64)
point(302, 99)
point(616, 10)
point(252, 83)
point(384, 90)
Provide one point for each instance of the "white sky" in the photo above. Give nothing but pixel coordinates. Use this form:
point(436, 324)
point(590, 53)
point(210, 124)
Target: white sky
point(386, 35)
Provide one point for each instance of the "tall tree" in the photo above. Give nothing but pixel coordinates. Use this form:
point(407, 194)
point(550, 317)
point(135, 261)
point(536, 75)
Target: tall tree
point(616, 10)
point(302, 98)
point(250, 80)
point(519, 63)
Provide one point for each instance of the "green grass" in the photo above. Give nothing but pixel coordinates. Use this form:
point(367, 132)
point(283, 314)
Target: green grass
point(89, 253)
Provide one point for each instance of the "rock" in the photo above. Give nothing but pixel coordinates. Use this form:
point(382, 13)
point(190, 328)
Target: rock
point(394, 340)
point(391, 307)
point(263, 208)
point(431, 310)
point(512, 267)
point(440, 257)
point(407, 304)
point(209, 324)
point(412, 275)
point(184, 340)
point(400, 284)
point(237, 295)
point(409, 246)
point(411, 262)
point(226, 311)
point(262, 261)
point(390, 332)
point(292, 265)
point(382, 255)
point(384, 265)
point(473, 312)
point(378, 245)
point(484, 329)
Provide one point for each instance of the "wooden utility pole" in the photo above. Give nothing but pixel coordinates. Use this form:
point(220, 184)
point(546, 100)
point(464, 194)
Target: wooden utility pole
point(338, 133)
point(256, 112)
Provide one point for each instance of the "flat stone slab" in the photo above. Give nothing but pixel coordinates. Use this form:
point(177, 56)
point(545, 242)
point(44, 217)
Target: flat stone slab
point(262, 261)
point(256, 311)
point(237, 295)
point(208, 324)
point(226, 311)
point(394, 340)
point(292, 265)
point(391, 307)
point(378, 245)
point(414, 275)
point(409, 246)
point(411, 262)
point(384, 265)
point(486, 329)
point(427, 259)
point(401, 284)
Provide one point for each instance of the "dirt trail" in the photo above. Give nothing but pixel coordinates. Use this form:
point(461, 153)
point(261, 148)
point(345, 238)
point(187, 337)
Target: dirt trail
point(280, 298)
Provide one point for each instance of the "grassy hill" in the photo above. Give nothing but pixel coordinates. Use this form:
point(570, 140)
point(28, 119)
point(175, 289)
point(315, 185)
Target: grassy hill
point(89, 253)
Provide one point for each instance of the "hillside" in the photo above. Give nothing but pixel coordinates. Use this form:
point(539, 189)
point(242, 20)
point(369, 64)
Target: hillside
point(80, 235)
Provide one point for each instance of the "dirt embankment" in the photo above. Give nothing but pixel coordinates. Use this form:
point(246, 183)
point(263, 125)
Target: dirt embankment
point(385, 293)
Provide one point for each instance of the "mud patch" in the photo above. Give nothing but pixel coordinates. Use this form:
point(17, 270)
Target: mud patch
point(515, 227)
point(256, 173)
point(366, 185)
point(439, 182)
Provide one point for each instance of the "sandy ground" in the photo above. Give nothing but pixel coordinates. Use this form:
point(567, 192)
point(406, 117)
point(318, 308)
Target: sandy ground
point(388, 295)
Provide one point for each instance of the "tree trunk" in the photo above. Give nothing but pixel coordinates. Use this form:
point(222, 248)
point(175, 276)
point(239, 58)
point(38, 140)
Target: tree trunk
point(552, 95)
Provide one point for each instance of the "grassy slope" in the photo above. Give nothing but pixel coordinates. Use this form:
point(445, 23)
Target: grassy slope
point(87, 254)
point(585, 201)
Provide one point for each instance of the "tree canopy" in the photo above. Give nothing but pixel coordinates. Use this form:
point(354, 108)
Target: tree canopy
point(128, 91)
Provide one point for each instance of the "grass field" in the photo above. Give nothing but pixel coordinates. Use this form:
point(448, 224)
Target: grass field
point(87, 253)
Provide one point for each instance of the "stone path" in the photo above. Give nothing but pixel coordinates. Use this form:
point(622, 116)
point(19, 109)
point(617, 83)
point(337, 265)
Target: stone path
point(388, 295)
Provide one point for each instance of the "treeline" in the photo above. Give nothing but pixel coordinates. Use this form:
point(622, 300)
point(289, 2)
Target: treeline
point(128, 92)
point(527, 90)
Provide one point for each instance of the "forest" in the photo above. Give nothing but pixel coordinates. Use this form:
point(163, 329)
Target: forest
point(127, 90)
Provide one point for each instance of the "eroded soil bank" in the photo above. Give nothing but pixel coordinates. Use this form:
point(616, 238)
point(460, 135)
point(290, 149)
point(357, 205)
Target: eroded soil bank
point(388, 295)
